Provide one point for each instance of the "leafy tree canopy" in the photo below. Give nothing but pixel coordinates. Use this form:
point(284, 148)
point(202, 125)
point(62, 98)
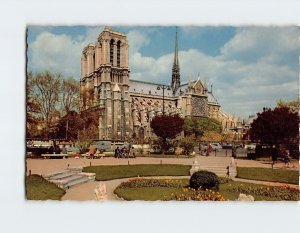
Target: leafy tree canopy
point(167, 127)
point(275, 126)
point(199, 126)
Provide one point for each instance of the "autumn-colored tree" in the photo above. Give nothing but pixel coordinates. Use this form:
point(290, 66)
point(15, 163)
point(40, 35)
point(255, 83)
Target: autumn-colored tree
point(167, 127)
point(211, 136)
point(89, 125)
point(275, 126)
point(70, 95)
point(44, 91)
point(32, 110)
point(292, 105)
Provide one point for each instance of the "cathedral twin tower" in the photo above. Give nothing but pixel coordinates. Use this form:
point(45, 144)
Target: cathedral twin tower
point(104, 82)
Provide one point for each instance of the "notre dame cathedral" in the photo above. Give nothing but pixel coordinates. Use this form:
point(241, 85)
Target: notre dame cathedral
point(126, 107)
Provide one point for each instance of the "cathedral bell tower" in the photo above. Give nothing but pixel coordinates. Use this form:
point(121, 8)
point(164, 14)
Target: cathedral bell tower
point(175, 69)
point(104, 83)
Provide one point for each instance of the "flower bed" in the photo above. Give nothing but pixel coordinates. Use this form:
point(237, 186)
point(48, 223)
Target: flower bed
point(178, 189)
point(141, 183)
point(190, 194)
point(284, 192)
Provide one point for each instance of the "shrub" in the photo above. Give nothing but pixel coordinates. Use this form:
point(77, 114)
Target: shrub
point(188, 144)
point(205, 180)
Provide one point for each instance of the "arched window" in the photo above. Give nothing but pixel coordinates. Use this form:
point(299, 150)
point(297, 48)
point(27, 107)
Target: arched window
point(118, 53)
point(111, 46)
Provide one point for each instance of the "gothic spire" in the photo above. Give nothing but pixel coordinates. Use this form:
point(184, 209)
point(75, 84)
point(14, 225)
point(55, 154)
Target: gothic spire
point(176, 62)
point(175, 69)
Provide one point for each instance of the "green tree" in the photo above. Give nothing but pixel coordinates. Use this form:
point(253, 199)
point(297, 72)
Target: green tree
point(167, 127)
point(188, 144)
point(69, 126)
point(198, 126)
point(276, 126)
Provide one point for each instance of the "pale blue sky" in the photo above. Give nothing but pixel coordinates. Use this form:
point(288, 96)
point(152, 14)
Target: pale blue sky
point(249, 67)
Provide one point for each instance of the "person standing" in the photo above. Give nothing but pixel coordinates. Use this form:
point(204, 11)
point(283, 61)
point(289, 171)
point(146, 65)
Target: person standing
point(64, 150)
point(117, 152)
point(274, 155)
point(132, 152)
point(92, 152)
point(287, 158)
point(209, 149)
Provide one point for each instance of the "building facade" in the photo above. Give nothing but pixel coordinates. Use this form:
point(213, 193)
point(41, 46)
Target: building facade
point(126, 107)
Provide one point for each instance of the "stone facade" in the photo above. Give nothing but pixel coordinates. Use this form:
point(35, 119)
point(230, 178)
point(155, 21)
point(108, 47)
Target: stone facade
point(127, 106)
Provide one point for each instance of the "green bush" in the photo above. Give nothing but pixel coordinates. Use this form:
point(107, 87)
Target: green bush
point(204, 180)
point(188, 144)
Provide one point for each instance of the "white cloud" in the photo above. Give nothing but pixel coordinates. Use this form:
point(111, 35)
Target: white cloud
point(60, 53)
point(256, 67)
point(252, 71)
point(137, 39)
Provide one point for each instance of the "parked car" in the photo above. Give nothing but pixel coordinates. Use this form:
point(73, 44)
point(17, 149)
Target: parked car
point(73, 151)
point(250, 146)
point(226, 145)
point(216, 146)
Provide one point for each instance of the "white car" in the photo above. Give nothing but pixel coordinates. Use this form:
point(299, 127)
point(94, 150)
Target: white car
point(250, 147)
point(216, 146)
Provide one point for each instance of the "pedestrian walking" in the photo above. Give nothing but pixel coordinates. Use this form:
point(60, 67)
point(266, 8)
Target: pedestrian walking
point(287, 159)
point(117, 152)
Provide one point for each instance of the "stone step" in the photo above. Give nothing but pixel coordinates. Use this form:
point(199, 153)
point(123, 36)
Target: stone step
point(70, 177)
point(81, 180)
point(51, 175)
point(62, 176)
point(70, 181)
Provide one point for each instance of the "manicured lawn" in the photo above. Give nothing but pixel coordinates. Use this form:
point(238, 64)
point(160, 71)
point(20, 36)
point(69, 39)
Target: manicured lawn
point(229, 190)
point(37, 188)
point(268, 174)
point(126, 171)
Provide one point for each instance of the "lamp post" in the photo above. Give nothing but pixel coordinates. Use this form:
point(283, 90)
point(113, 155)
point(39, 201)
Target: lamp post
point(163, 87)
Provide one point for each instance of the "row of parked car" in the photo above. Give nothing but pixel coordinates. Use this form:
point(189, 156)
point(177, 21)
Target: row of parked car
point(218, 146)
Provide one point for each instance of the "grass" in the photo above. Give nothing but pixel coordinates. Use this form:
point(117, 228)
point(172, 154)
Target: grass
point(37, 188)
point(127, 171)
point(268, 174)
point(227, 190)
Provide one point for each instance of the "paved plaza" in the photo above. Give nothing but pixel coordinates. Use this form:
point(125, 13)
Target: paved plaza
point(86, 191)
point(45, 166)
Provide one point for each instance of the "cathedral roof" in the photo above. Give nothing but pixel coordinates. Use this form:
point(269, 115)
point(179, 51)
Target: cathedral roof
point(142, 87)
point(211, 98)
